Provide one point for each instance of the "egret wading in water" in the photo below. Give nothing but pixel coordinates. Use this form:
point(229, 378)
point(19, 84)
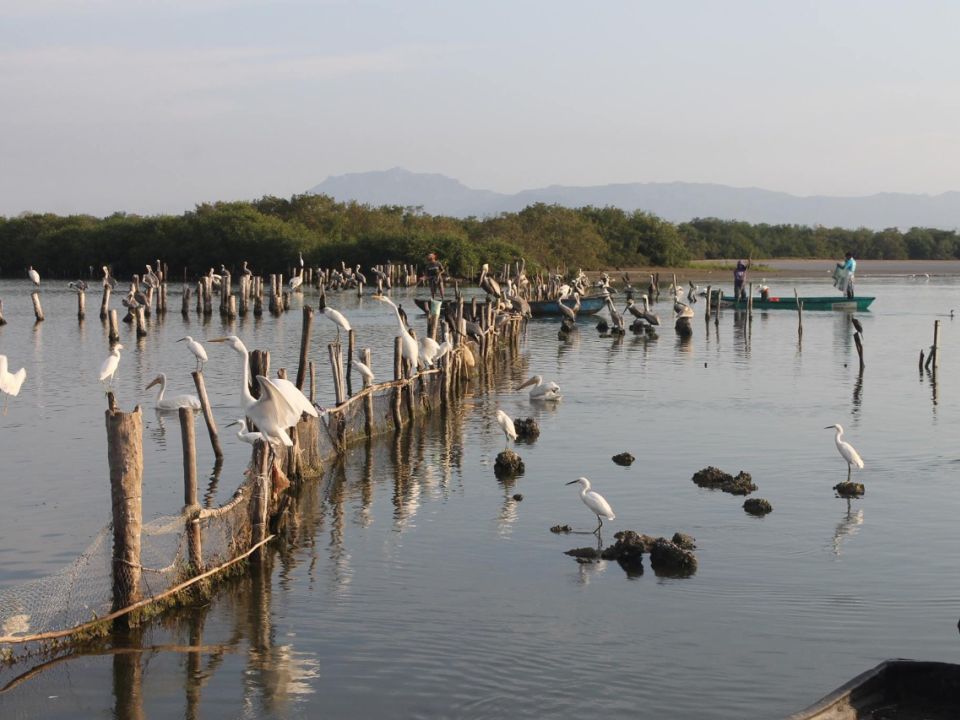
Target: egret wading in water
point(595, 501)
point(173, 403)
point(846, 450)
point(10, 383)
point(541, 390)
point(280, 404)
point(506, 424)
point(197, 349)
point(109, 368)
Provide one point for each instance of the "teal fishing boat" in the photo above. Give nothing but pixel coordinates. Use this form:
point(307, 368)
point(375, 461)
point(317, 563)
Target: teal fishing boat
point(831, 302)
point(589, 305)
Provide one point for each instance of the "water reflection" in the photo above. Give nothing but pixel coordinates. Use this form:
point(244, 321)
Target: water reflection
point(848, 526)
point(857, 395)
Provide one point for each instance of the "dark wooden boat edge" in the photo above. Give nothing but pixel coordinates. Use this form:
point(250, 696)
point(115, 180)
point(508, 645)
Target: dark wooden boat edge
point(860, 303)
point(893, 682)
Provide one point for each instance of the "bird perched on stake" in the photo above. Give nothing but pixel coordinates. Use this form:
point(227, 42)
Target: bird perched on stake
point(846, 450)
point(506, 424)
point(109, 368)
point(595, 501)
point(251, 437)
point(10, 383)
point(197, 349)
point(333, 316)
point(409, 348)
point(541, 390)
point(365, 372)
point(856, 324)
point(174, 403)
point(34, 276)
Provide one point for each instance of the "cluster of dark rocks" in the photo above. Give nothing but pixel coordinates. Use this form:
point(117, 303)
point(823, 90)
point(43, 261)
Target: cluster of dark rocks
point(739, 484)
point(669, 558)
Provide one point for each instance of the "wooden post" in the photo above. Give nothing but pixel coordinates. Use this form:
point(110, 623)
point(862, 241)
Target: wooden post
point(368, 400)
point(207, 413)
point(189, 440)
point(113, 334)
point(185, 301)
point(921, 363)
point(800, 317)
point(2, 321)
point(709, 303)
point(81, 305)
point(313, 392)
point(305, 331)
point(859, 344)
point(260, 499)
point(336, 366)
point(125, 458)
point(141, 321)
point(232, 307)
point(105, 303)
point(749, 301)
point(936, 345)
point(259, 365)
point(397, 375)
point(37, 310)
point(351, 345)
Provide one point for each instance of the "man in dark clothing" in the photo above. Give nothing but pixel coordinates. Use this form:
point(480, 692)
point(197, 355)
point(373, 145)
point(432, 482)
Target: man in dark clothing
point(739, 278)
point(435, 275)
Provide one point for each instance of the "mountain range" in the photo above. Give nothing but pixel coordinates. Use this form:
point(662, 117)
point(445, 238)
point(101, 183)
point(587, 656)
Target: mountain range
point(674, 201)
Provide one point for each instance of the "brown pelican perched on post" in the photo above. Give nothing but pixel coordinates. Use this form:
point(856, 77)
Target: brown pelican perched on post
point(488, 283)
point(108, 279)
point(150, 278)
point(541, 390)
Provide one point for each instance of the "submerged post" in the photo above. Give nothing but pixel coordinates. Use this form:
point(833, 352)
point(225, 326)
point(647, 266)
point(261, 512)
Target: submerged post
point(207, 413)
point(2, 321)
point(125, 458)
point(113, 334)
point(81, 305)
point(37, 310)
point(191, 505)
point(936, 344)
point(304, 345)
point(105, 302)
point(185, 301)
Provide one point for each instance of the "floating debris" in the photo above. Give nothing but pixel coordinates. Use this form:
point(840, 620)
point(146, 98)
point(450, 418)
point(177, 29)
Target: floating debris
point(849, 489)
point(508, 464)
point(757, 506)
point(714, 478)
point(624, 459)
point(561, 529)
point(527, 429)
point(685, 541)
point(518, 497)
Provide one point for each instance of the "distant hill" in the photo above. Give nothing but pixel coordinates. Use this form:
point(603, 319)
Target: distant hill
point(676, 201)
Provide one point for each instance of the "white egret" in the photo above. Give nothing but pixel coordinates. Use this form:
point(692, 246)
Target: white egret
point(333, 316)
point(295, 282)
point(197, 349)
point(280, 404)
point(251, 437)
point(174, 403)
point(365, 372)
point(595, 501)
point(846, 450)
point(541, 390)
point(429, 349)
point(10, 383)
point(409, 349)
point(506, 424)
point(109, 367)
point(34, 276)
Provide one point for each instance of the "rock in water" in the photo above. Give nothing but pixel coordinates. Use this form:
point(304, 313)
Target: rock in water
point(527, 429)
point(561, 529)
point(508, 464)
point(587, 553)
point(672, 560)
point(623, 458)
point(518, 497)
point(714, 478)
point(757, 506)
point(684, 541)
point(742, 484)
point(849, 489)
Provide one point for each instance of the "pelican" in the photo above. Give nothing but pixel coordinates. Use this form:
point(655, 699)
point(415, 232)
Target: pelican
point(506, 424)
point(10, 383)
point(108, 279)
point(595, 501)
point(361, 278)
point(333, 316)
point(245, 270)
point(409, 348)
point(77, 286)
point(174, 403)
point(569, 312)
point(34, 276)
point(489, 285)
point(197, 350)
point(541, 390)
point(150, 278)
point(251, 437)
point(280, 404)
point(109, 367)
point(650, 317)
point(365, 372)
point(616, 319)
point(850, 456)
point(301, 259)
point(295, 282)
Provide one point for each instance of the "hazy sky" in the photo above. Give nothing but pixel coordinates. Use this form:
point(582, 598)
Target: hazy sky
point(155, 105)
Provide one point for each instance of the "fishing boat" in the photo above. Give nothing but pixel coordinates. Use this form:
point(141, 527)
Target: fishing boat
point(893, 689)
point(830, 302)
point(589, 305)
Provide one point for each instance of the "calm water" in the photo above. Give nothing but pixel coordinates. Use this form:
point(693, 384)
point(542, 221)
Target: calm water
point(419, 588)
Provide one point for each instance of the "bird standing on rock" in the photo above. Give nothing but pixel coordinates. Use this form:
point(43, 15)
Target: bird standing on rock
point(846, 450)
point(595, 501)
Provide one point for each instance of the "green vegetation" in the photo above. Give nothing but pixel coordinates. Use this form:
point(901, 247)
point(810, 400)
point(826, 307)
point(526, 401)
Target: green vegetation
point(269, 233)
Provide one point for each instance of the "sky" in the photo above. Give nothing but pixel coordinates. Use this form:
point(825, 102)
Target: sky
point(154, 106)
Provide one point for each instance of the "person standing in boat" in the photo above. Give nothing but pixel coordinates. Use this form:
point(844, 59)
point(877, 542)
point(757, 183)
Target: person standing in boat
point(434, 275)
point(848, 267)
point(739, 279)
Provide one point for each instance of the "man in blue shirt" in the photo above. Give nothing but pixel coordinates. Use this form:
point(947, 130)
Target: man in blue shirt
point(849, 267)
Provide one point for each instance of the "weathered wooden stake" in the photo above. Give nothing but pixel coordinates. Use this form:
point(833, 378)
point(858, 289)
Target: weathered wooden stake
point(207, 413)
point(192, 507)
point(749, 301)
point(37, 310)
point(397, 375)
point(113, 334)
point(800, 315)
point(305, 331)
point(81, 305)
point(260, 499)
point(351, 345)
point(2, 321)
point(185, 301)
point(336, 365)
point(368, 400)
point(105, 303)
point(313, 379)
point(140, 317)
point(859, 343)
point(936, 345)
point(125, 459)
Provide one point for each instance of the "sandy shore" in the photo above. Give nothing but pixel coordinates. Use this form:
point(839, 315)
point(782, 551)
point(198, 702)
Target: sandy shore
point(721, 271)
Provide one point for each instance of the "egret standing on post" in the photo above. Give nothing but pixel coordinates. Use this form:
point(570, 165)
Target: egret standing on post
point(109, 367)
point(506, 424)
point(851, 456)
point(595, 501)
point(197, 350)
point(34, 276)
